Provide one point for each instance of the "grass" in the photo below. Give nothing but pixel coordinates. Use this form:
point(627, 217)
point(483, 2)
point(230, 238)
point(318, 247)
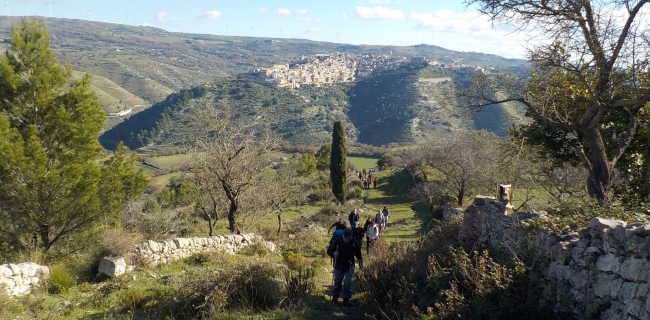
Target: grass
point(139, 293)
point(361, 162)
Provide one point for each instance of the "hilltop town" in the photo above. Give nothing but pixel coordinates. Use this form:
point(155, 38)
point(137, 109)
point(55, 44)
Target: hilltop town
point(339, 67)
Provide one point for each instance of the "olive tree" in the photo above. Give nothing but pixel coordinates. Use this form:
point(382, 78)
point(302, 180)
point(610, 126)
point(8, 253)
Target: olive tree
point(588, 83)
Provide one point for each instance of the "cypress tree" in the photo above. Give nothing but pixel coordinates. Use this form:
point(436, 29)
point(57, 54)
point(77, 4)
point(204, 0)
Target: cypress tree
point(338, 162)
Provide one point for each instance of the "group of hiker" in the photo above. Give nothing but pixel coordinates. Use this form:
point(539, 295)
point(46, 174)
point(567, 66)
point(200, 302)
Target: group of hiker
point(346, 244)
point(367, 178)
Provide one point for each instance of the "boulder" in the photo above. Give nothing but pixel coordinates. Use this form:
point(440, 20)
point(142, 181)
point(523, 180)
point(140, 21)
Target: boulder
point(602, 223)
point(112, 266)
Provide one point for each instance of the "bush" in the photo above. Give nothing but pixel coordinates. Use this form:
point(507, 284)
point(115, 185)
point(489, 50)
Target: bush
point(300, 276)
point(142, 297)
point(355, 193)
point(60, 279)
point(456, 284)
point(118, 242)
point(355, 183)
point(198, 259)
point(320, 194)
point(210, 294)
point(255, 249)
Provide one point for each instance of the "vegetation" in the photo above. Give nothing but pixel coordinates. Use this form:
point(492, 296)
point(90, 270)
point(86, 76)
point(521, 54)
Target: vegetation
point(338, 163)
point(585, 110)
point(55, 180)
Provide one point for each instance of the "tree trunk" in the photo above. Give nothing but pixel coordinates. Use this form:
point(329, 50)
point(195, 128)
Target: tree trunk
point(279, 222)
point(600, 170)
point(211, 229)
point(45, 237)
point(461, 194)
point(232, 214)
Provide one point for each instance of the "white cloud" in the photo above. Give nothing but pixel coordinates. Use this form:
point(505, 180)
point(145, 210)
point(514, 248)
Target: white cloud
point(262, 9)
point(301, 11)
point(379, 1)
point(470, 31)
point(306, 19)
point(210, 15)
point(160, 16)
point(283, 12)
point(378, 13)
point(318, 19)
point(344, 16)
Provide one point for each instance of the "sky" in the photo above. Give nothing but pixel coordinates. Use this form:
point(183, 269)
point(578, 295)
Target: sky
point(445, 23)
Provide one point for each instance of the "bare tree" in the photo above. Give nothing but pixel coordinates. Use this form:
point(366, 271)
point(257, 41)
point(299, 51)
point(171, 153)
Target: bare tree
point(228, 159)
point(588, 80)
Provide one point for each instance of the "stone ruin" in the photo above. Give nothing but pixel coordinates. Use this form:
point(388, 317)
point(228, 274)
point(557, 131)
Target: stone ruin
point(602, 271)
point(151, 253)
point(19, 279)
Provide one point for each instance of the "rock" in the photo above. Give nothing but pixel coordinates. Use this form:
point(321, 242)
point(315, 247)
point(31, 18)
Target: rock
point(602, 285)
point(631, 267)
point(112, 266)
point(602, 223)
point(5, 272)
point(609, 262)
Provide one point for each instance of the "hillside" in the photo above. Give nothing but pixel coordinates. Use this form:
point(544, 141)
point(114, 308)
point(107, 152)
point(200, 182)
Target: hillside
point(149, 62)
point(396, 106)
point(135, 67)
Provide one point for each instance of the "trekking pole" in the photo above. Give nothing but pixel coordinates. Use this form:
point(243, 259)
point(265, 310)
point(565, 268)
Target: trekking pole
point(337, 250)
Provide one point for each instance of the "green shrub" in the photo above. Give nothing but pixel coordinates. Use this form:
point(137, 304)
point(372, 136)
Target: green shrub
point(139, 297)
point(354, 183)
point(320, 194)
point(199, 259)
point(255, 249)
point(60, 279)
point(355, 193)
point(299, 282)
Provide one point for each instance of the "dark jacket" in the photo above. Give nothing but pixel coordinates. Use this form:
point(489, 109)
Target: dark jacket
point(353, 217)
point(358, 233)
point(347, 252)
point(339, 226)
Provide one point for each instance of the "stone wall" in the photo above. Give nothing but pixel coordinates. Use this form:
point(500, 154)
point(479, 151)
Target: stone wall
point(602, 271)
point(19, 279)
point(159, 252)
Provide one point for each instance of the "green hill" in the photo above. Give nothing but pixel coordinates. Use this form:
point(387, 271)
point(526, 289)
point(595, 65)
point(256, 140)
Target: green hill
point(403, 106)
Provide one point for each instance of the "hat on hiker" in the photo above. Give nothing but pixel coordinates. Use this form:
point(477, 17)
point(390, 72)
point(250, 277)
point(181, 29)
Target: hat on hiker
point(347, 233)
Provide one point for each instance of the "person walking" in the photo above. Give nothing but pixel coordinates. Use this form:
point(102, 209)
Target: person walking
point(380, 219)
point(353, 217)
point(344, 250)
point(386, 214)
point(372, 234)
point(340, 225)
point(358, 233)
point(374, 183)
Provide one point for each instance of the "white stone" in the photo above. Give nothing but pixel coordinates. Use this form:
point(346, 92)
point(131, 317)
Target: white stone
point(28, 269)
point(602, 223)
point(5, 271)
point(15, 269)
point(112, 266)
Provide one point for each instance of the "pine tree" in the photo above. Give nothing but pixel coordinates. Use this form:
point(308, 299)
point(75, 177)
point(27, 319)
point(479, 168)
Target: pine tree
point(54, 178)
point(338, 163)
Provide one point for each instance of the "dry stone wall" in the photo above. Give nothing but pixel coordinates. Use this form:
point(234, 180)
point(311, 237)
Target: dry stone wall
point(600, 272)
point(160, 252)
point(19, 279)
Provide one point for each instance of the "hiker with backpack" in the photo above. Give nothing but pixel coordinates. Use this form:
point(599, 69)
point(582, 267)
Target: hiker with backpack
point(386, 214)
point(358, 233)
point(344, 250)
point(372, 234)
point(380, 219)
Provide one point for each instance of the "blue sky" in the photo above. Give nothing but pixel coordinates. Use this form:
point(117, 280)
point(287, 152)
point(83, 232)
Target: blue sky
point(383, 22)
